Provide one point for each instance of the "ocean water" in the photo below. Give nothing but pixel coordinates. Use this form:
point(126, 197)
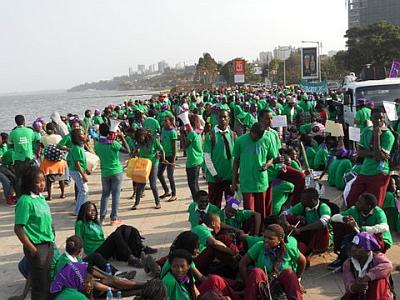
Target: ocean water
point(43, 104)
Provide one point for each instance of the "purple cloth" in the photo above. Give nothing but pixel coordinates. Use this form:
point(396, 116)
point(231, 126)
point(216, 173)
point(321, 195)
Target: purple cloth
point(73, 275)
point(367, 241)
point(232, 202)
point(394, 71)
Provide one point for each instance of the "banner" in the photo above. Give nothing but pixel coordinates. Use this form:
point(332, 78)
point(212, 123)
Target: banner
point(309, 63)
point(394, 71)
point(314, 87)
point(239, 70)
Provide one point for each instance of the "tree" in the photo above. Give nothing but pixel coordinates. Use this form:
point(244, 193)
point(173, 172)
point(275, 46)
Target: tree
point(378, 44)
point(207, 69)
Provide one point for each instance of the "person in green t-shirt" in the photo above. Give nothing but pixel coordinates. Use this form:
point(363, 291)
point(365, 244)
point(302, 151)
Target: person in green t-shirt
point(97, 119)
point(272, 259)
point(148, 147)
point(197, 210)
point(21, 140)
point(33, 227)
point(77, 165)
point(169, 136)
point(87, 121)
point(312, 219)
point(151, 123)
point(375, 145)
point(194, 154)
point(363, 114)
point(391, 205)
point(218, 152)
point(253, 156)
point(111, 170)
point(365, 215)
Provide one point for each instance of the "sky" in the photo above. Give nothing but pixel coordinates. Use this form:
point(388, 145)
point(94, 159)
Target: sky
point(56, 44)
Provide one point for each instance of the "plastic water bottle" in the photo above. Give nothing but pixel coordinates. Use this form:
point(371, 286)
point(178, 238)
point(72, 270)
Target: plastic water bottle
point(119, 295)
point(109, 294)
point(108, 269)
point(381, 165)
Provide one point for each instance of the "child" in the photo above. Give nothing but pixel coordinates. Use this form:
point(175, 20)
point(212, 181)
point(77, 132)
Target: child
point(391, 205)
point(366, 274)
point(124, 243)
point(169, 137)
point(199, 208)
point(33, 227)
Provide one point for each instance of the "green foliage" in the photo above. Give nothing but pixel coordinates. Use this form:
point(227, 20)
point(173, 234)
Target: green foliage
point(378, 44)
point(207, 69)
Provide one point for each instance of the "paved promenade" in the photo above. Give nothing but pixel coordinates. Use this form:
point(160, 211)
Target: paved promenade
point(159, 227)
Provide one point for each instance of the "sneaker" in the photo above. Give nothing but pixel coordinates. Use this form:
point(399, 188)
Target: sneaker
point(135, 262)
point(173, 198)
point(116, 222)
point(158, 206)
point(127, 275)
point(165, 195)
point(134, 207)
point(336, 264)
point(149, 250)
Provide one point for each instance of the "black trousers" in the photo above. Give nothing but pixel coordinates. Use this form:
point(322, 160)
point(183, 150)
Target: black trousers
point(193, 180)
point(170, 174)
point(40, 274)
point(97, 260)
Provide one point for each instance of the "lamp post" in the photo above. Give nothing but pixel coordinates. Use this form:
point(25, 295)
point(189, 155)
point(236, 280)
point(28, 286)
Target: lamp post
point(319, 45)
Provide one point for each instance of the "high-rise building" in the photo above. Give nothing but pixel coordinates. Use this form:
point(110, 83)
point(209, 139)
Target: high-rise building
point(131, 72)
point(367, 12)
point(283, 52)
point(162, 65)
point(141, 68)
point(265, 57)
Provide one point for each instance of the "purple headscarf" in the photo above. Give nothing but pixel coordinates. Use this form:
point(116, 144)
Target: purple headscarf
point(232, 202)
point(73, 275)
point(367, 241)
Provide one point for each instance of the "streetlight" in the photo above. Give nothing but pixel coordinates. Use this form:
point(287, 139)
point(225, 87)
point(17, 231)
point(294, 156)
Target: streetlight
point(284, 63)
point(319, 44)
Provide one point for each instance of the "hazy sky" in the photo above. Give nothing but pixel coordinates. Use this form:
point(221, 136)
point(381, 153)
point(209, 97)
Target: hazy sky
point(55, 44)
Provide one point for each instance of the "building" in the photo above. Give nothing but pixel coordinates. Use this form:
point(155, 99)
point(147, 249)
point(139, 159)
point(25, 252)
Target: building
point(367, 12)
point(265, 57)
point(131, 72)
point(283, 52)
point(141, 68)
point(162, 65)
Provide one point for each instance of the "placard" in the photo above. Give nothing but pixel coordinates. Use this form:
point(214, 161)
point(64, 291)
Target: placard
point(354, 134)
point(329, 125)
point(309, 63)
point(390, 109)
point(335, 129)
point(279, 121)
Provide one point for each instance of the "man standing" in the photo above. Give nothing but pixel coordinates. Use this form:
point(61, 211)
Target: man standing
point(21, 140)
point(218, 149)
point(252, 153)
point(375, 145)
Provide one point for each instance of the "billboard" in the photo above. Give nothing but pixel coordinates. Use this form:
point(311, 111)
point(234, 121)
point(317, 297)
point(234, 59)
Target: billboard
point(239, 70)
point(309, 63)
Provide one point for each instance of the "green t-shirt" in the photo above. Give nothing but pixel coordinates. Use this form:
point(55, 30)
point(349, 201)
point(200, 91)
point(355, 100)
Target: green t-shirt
point(150, 150)
point(257, 253)
point(242, 215)
point(251, 240)
point(97, 120)
point(167, 266)
point(22, 138)
point(8, 158)
point(295, 164)
point(306, 106)
point(161, 116)
point(272, 137)
point(194, 151)
point(194, 214)
point(87, 122)
point(175, 289)
point(35, 143)
point(305, 128)
point(33, 212)
point(249, 120)
point(64, 260)
point(332, 171)
point(320, 157)
point(370, 166)
point(252, 155)
point(343, 167)
point(3, 149)
point(66, 141)
point(362, 116)
point(70, 294)
point(377, 217)
point(77, 154)
point(280, 194)
point(218, 151)
point(310, 215)
point(109, 158)
point(203, 233)
point(310, 152)
point(92, 235)
point(56, 255)
point(152, 124)
point(167, 137)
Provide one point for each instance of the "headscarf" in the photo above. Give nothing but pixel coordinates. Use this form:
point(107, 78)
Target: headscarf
point(232, 202)
point(73, 276)
point(61, 127)
point(367, 241)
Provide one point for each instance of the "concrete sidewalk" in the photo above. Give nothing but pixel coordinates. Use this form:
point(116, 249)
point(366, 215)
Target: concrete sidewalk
point(159, 227)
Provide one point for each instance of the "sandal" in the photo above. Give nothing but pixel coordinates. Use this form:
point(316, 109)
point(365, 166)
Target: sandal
point(165, 195)
point(134, 207)
point(173, 198)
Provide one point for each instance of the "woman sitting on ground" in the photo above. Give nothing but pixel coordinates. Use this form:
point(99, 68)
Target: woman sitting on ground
point(366, 273)
point(124, 244)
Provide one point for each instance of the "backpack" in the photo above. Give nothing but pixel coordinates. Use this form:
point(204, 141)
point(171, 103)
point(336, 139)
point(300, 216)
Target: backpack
point(52, 153)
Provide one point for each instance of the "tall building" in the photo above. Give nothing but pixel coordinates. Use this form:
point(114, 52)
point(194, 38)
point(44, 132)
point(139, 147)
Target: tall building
point(367, 12)
point(265, 57)
point(162, 65)
point(141, 68)
point(283, 52)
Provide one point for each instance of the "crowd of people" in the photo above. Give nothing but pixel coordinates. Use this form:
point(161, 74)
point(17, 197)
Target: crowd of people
point(254, 230)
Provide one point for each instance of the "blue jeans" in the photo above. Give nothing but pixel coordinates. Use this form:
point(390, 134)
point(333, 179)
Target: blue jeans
point(6, 183)
point(82, 193)
point(153, 186)
point(111, 185)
